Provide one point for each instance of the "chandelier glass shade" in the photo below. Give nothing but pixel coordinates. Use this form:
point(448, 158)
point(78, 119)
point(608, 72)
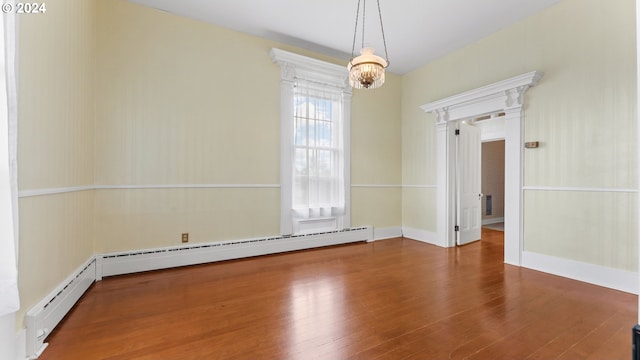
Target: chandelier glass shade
point(366, 71)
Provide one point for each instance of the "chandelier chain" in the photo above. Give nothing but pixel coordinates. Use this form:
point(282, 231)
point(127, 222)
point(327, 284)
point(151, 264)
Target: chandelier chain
point(355, 31)
point(364, 17)
point(384, 40)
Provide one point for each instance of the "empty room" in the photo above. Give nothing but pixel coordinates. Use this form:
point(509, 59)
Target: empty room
point(309, 179)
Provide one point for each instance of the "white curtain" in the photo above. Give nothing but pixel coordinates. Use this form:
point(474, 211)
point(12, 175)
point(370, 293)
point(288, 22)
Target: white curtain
point(318, 151)
point(9, 300)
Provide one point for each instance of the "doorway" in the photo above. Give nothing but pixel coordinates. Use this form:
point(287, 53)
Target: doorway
point(501, 124)
point(479, 167)
point(504, 98)
point(493, 179)
point(468, 185)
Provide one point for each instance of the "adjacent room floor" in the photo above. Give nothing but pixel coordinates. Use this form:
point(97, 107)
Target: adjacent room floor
point(391, 299)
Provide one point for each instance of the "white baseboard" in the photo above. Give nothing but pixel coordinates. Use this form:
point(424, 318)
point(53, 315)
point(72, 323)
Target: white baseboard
point(387, 233)
point(617, 279)
point(492, 221)
point(425, 236)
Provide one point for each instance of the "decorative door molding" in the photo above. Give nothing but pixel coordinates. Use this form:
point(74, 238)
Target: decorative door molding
point(501, 99)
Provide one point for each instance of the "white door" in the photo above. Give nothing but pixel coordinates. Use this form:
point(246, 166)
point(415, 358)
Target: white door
point(468, 186)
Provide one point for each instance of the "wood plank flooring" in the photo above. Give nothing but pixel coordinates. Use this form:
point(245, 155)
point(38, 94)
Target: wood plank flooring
point(391, 299)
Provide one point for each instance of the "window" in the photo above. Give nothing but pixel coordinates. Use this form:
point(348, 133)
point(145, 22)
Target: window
point(315, 112)
point(318, 189)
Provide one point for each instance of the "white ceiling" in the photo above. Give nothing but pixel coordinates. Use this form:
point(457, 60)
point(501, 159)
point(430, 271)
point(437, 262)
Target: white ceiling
point(417, 31)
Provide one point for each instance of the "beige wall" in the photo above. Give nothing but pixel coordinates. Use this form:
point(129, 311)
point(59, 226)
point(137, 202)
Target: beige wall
point(376, 157)
point(593, 227)
point(583, 113)
point(114, 94)
point(184, 102)
point(55, 145)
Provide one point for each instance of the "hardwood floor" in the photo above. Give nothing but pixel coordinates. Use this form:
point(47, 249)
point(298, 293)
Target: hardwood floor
point(391, 299)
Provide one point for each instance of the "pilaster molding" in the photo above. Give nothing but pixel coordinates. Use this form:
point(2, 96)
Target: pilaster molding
point(515, 97)
point(442, 115)
point(287, 72)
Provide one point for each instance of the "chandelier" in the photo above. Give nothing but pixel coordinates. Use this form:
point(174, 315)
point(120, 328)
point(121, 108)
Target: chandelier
point(366, 71)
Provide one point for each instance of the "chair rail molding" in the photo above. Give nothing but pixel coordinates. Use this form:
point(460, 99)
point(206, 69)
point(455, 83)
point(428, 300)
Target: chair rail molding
point(505, 99)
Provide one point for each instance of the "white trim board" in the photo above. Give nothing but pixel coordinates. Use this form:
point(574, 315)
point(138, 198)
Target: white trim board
point(387, 233)
point(70, 189)
point(492, 221)
point(53, 191)
point(577, 189)
point(424, 236)
point(188, 186)
point(617, 279)
point(393, 186)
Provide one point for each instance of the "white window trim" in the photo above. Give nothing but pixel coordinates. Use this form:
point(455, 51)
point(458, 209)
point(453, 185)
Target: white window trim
point(294, 66)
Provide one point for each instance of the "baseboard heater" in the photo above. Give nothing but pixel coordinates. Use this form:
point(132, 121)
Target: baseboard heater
point(154, 259)
point(46, 315)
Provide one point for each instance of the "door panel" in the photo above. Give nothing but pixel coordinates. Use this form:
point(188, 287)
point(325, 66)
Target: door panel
point(469, 157)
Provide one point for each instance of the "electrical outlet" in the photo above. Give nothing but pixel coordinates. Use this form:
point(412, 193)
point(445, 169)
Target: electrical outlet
point(185, 237)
